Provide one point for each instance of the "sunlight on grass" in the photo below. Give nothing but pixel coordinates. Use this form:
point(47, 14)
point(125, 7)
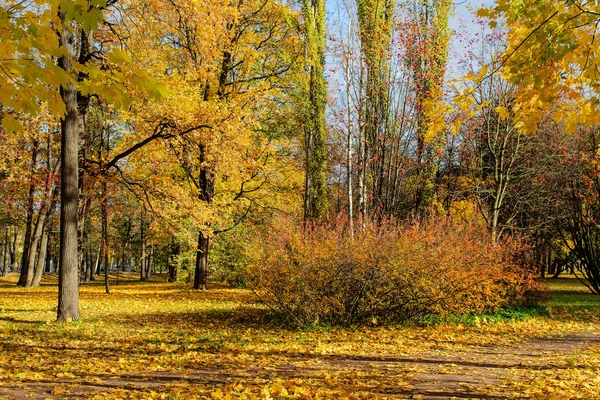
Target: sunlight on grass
point(568, 291)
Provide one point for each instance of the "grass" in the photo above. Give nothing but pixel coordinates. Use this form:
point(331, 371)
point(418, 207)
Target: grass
point(158, 340)
point(568, 291)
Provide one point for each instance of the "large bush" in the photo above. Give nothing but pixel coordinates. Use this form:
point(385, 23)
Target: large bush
point(388, 273)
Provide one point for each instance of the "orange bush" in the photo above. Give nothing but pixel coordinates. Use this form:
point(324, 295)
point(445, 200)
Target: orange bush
point(387, 273)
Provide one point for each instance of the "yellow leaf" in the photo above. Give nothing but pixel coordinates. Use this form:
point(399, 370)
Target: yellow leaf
point(502, 112)
point(11, 124)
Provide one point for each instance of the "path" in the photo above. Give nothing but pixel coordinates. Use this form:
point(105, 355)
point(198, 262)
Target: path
point(482, 373)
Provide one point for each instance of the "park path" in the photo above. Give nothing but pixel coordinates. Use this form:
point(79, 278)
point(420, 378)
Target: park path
point(482, 372)
point(462, 375)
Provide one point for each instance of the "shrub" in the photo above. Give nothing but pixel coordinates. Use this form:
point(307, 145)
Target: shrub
point(387, 273)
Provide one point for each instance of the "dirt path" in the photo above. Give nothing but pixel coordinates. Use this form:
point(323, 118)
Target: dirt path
point(462, 375)
point(435, 375)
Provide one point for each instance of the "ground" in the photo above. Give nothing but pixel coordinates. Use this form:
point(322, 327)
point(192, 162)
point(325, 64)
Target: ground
point(163, 341)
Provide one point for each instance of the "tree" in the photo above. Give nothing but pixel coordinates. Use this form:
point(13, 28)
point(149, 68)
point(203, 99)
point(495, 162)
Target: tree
point(375, 20)
point(315, 196)
point(427, 56)
point(552, 58)
point(35, 37)
point(214, 148)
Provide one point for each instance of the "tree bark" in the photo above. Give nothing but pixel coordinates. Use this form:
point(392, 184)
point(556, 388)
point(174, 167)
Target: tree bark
point(206, 182)
point(96, 270)
point(29, 219)
point(68, 276)
point(13, 250)
point(315, 194)
point(201, 272)
point(34, 245)
point(143, 272)
point(105, 233)
point(6, 258)
point(151, 259)
point(173, 262)
point(39, 269)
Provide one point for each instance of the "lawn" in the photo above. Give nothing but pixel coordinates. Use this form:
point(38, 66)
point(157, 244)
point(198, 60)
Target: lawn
point(157, 340)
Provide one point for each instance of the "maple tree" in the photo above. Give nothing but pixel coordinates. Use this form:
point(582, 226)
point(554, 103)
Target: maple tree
point(214, 149)
point(34, 35)
point(551, 56)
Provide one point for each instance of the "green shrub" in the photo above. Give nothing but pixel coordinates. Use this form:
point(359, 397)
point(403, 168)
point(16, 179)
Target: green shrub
point(227, 257)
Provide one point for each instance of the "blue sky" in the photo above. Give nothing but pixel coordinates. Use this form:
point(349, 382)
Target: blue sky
point(462, 21)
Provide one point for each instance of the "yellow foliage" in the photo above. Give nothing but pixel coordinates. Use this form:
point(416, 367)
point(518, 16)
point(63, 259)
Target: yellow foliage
point(158, 340)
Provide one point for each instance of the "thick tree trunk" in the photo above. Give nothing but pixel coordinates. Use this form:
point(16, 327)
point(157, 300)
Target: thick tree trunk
point(39, 269)
point(68, 279)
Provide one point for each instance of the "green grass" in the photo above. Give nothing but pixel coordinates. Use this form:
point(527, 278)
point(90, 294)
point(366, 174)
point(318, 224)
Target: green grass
point(568, 291)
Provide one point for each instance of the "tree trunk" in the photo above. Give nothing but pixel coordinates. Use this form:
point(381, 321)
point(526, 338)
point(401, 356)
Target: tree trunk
point(173, 262)
point(147, 264)
point(68, 279)
point(96, 270)
point(88, 265)
point(151, 259)
point(33, 246)
point(13, 250)
point(315, 194)
point(206, 182)
point(201, 271)
point(143, 272)
point(29, 219)
point(349, 149)
point(6, 258)
point(39, 269)
point(105, 232)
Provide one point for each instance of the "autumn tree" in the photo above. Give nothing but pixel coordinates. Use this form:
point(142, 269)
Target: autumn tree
point(42, 41)
point(315, 196)
point(375, 20)
point(214, 148)
point(427, 55)
point(552, 58)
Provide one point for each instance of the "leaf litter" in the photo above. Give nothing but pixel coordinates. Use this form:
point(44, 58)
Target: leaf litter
point(164, 341)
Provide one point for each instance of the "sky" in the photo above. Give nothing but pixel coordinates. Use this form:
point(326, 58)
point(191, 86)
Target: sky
point(466, 27)
point(462, 21)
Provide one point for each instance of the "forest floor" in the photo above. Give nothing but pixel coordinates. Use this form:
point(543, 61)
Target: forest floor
point(162, 341)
